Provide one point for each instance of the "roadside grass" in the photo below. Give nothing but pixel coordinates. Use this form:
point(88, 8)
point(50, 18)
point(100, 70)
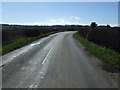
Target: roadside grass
point(21, 42)
point(110, 57)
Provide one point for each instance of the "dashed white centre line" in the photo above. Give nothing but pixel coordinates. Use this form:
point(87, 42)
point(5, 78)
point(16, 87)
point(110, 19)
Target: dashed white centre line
point(47, 56)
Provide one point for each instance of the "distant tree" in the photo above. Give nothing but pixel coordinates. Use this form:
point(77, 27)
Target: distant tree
point(92, 26)
point(108, 26)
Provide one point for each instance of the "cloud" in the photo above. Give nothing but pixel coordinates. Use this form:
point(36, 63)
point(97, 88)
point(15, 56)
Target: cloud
point(57, 21)
point(49, 22)
point(72, 20)
point(75, 18)
point(63, 21)
point(113, 25)
point(54, 21)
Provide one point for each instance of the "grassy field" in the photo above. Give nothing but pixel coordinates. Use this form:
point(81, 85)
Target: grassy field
point(110, 57)
point(21, 42)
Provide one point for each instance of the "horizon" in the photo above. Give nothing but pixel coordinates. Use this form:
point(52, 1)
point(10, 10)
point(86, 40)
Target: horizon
point(60, 25)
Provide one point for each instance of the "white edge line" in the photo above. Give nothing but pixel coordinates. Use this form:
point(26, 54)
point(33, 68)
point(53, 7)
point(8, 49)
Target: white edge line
point(47, 56)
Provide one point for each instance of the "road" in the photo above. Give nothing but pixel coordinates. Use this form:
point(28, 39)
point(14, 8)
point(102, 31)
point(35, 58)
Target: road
point(56, 62)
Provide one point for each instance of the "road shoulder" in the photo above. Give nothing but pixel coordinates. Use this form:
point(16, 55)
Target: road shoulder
point(114, 77)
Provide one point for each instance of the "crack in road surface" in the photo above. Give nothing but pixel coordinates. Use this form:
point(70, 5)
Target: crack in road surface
point(59, 62)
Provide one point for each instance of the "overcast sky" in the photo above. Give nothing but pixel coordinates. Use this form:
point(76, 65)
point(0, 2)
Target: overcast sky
point(62, 13)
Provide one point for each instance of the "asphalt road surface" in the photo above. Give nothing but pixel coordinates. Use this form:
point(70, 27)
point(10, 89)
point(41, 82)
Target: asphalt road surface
point(57, 61)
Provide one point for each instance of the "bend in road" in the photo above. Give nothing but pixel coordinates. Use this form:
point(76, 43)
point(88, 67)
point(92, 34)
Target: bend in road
point(59, 63)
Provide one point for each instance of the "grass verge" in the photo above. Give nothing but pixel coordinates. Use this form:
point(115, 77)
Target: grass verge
point(21, 42)
point(110, 57)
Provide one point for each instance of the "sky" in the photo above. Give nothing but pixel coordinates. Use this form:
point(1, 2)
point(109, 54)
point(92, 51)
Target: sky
point(60, 13)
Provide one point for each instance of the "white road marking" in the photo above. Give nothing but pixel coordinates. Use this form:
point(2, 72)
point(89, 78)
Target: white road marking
point(47, 56)
point(41, 74)
point(31, 86)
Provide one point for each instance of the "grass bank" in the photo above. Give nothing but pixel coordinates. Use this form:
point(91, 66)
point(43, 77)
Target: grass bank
point(21, 42)
point(110, 57)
